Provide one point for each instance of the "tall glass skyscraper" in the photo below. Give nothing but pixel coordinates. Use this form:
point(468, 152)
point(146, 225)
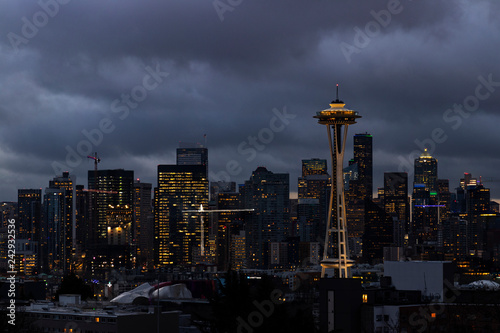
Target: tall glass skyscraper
point(313, 194)
point(112, 187)
point(426, 172)
point(269, 194)
point(424, 200)
point(396, 203)
point(178, 233)
point(143, 223)
point(192, 154)
point(363, 157)
point(28, 212)
point(67, 227)
point(111, 208)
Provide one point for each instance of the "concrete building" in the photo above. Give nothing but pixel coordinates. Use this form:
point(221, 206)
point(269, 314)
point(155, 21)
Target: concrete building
point(432, 278)
point(75, 318)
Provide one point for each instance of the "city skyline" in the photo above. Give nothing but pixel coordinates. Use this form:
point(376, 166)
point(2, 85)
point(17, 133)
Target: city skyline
point(252, 89)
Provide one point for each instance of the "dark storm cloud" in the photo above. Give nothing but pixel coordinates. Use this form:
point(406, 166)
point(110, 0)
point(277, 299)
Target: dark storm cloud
point(226, 77)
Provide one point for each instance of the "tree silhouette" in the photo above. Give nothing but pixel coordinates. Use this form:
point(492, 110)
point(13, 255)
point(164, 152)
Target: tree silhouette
point(72, 284)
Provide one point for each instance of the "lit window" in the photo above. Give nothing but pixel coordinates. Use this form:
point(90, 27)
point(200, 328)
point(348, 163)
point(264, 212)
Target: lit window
point(365, 298)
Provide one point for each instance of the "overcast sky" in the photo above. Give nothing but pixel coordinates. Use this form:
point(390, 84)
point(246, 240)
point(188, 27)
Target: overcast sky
point(130, 79)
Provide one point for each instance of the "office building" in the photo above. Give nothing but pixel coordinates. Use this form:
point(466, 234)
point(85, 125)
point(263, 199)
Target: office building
point(112, 187)
point(109, 190)
point(363, 157)
point(477, 204)
point(238, 251)
point(221, 187)
point(312, 205)
point(67, 230)
point(53, 254)
point(425, 200)
point(8, 211)
point(314, 166)
point(268, 193)
point(360, 185)
point(178, 233)
point(82, 221)
point(379, 232)
point(192, 154)
point(225, 225)
point(396, 203)
point(143, 226)
point(28, 221)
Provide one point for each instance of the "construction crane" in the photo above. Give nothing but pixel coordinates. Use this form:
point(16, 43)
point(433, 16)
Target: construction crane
point(201, 210)
point(96, 160)
point(488, 180)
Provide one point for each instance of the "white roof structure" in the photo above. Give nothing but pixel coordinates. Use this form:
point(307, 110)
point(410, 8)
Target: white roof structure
point(149, 291)
point(484, 285)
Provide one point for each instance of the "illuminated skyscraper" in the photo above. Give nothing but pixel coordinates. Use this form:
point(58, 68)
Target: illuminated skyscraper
point(227, 224)
point(82, 220)
point(53, 256)
point(143, 223)
point(314, 166)
point(426, 171)
point(178, 233)
point(29, 223)
point(67, 229)
point(29, 216)
point(111, 189)
point(8, 211)
point(396, 203)
point(477, 203)
point(363, 157)
point(313, 188)
point(192, 154)
point(359, 178)
point(335, 118)
point(425, 200)
point(269, 194)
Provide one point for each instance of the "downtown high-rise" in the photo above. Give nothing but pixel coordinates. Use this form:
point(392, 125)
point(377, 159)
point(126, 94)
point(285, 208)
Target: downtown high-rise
point(313, 194)
point(396, 203)
point(424, 226)
point(178, 233)
point(267, 193)
point(111, 203)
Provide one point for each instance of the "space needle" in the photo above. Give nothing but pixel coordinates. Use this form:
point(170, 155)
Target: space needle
point(335, 118)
